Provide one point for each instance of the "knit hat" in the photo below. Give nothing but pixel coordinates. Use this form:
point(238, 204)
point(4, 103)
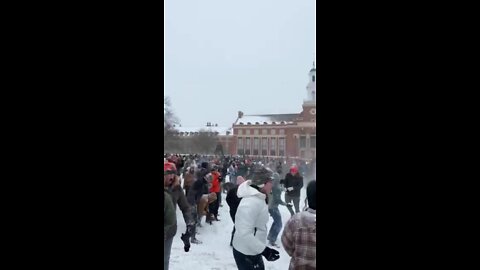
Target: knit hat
point(169, 168)
point(201, 173)
point(312, 194)
point(293, 169)
point(261, 175)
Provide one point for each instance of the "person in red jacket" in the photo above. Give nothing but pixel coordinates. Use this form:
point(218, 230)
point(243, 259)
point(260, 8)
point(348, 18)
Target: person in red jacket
point(213, 208)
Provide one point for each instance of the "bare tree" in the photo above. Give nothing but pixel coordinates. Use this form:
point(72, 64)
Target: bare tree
point(204, 142)
point(170, 142)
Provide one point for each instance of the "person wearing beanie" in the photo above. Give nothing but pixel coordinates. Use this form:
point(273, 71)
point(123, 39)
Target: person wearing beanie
point(197, 190)
point(293, 185)
point(178, 196)
point(169, 171)
point(300, 234)
point(274, 199)
point(251, 218)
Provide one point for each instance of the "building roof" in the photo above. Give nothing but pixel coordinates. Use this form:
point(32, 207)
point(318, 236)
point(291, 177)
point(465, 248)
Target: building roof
point(267, 119)
point(219, 130)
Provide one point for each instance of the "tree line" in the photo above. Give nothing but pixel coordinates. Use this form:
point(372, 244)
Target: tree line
point(202, 143)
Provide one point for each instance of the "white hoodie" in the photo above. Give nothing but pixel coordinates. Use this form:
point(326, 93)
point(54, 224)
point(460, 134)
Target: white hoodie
point(252, 213)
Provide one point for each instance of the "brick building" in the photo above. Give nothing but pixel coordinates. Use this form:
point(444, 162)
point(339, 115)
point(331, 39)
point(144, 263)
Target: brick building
point(270, 135)
point(279, 135)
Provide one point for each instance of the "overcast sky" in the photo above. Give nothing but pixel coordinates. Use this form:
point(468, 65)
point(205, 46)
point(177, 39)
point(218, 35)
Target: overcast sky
point(222, 56)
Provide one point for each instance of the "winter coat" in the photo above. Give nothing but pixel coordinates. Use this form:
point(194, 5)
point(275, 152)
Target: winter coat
point(231, 170)
point(188, 180)
point(199, 187)
point(299, 238)
point(251, 219)
point(179, 198)
point(215, 182)
point(169, 216)
point(274, 198)
point(233, 201)
point(295, 181)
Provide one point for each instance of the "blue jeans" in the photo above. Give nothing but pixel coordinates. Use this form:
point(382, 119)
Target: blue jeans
point(167, 247)
point(276, 226)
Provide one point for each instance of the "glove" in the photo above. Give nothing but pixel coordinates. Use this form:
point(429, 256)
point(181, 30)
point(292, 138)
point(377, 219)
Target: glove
point(290, 188)
point(270, 254)
point(289, 205)
point(186, 241)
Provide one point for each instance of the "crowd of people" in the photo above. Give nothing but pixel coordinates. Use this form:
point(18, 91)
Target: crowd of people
point(254, 188)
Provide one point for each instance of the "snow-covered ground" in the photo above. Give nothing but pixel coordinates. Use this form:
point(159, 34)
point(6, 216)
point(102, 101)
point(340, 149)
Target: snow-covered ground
point(215, 251)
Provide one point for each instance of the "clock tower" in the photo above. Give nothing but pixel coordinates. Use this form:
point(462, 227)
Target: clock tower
point(310, 105)
point(312, 85)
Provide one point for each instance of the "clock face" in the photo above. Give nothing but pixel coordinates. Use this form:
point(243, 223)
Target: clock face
point(313, 111)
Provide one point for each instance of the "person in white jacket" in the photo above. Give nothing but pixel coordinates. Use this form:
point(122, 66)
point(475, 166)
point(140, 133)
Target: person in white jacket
point(250, 238)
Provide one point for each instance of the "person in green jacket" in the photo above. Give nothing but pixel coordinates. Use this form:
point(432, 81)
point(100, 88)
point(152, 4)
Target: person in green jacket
point(170, 216)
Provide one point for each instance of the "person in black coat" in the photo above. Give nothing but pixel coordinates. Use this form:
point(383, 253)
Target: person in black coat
point(233, 201)
point(293, 185)
point(197, 190)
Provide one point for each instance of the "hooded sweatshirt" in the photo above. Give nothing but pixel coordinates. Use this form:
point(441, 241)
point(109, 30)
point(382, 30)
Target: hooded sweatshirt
point(250, 221)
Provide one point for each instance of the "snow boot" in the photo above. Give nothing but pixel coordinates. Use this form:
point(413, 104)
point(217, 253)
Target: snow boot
point(195, 241)
point(208, 219)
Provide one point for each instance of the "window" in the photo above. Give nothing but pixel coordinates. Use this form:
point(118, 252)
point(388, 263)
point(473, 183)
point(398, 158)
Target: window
point(264, 146)
point(281, 146)
point(247, 132)
point(282, 131)
point(302, 154)
point(313, 141)
point(273, 146)
point(240, 132)
point(240, 146)
point(303, 141)
point(264, 132)
point(256, 145)
point(247, 146)
point(255, 132)
point(272, 132)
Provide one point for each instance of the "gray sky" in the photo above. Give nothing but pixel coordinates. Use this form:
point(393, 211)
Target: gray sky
point(222, 56)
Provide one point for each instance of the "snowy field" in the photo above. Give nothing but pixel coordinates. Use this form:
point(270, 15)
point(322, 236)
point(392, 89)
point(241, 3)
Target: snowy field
point(215, 251)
